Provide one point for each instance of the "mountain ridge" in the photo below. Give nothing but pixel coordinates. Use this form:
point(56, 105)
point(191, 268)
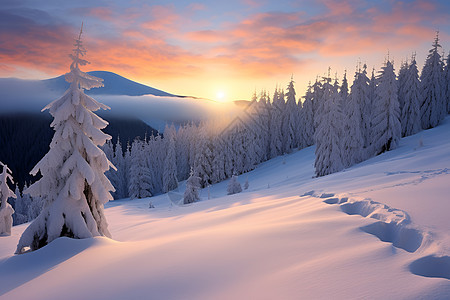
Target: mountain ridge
point(114, 84)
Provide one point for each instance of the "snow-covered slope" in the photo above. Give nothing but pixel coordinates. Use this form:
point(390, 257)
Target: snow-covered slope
point(379, 230)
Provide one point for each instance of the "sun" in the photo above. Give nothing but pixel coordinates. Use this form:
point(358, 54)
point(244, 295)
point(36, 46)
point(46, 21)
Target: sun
point(220, 96)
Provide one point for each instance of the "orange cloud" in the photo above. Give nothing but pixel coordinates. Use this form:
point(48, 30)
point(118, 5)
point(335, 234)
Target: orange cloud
point(167, 44)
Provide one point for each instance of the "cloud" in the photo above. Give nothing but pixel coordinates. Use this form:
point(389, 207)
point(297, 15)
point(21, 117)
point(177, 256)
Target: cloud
point(33, 38)
point(167, 43)
point(196, 6)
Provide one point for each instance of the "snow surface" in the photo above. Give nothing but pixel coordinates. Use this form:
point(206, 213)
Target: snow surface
point(378, 230)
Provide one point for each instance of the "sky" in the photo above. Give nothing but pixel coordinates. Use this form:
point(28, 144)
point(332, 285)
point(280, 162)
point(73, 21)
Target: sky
point(221, 50)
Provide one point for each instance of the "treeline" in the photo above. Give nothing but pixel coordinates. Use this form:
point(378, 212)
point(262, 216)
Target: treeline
point(347, 124)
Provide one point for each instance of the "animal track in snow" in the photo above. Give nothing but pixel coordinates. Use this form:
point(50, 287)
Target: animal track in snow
point(431, 266)
point(393, 227)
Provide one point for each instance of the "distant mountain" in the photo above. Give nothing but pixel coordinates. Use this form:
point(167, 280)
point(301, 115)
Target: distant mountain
point(113, 85)
point(126, 98)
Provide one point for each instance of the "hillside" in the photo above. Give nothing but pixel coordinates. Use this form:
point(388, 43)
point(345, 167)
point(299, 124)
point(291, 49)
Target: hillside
point(378, 230)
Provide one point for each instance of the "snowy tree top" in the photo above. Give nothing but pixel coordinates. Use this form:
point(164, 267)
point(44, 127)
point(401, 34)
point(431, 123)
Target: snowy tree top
point(81, 79)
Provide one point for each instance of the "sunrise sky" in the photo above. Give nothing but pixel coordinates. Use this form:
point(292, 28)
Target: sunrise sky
point(217, 49)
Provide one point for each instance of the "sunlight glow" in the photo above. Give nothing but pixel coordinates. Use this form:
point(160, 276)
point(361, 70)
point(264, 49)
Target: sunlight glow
point(220, 96)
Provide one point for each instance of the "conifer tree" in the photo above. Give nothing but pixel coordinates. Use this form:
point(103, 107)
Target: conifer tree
point(6, 210)
point(256, 140)
point(127, 163)
point(343, 91)
point(36, 204)
point(261, 129)
point(20, 215)
point(140, 182)
point(182, 152)
point(366, 99)
point(386, 127)
point(353, 141)
point(410, 118)
point(447, 81)
point(155, 151)
point(228, 153)
point(307, 118)
point(317, 100)
point(73, 180)
point(119, 177)
point(328, 134)
point(277, 108)
point(218, 163)
point(401, 82)
point(234, 186)
point(238, 148)
point(192, 187)
point(433, 106)
point(290, 120)
point(203, 157)
point(170, 168)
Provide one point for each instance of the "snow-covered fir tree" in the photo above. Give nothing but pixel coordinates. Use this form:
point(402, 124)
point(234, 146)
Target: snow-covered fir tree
point(276, 116)
point(353, 141)
point(192, 187)
point(246, 184)
point(127, 162)
point(119, 176)
point(261, 130)
point(433, 107)
point(317, 100)
point(155, 151)
point(6, 210)
point(182, 147)
point(343, 90)
point(21, 205)
point(112, 175)
point(410, 117)
point(36, 206)
point(218, 163)
point(386, 127)
point(170, 167)
point(203, 157)
point(307, 118)
point(401, 83)
point(366, 91)
point(140, 176)
point(234, 186)
point(290, 125)
point(238, 152)
point(73, 182)
point(227, 138)
point(447, 82)
point(328, 133)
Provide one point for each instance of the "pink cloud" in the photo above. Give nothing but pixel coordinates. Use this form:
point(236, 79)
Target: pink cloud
point(155, 43)
point(103, 13)
point(207, 36)
point(196, 6)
